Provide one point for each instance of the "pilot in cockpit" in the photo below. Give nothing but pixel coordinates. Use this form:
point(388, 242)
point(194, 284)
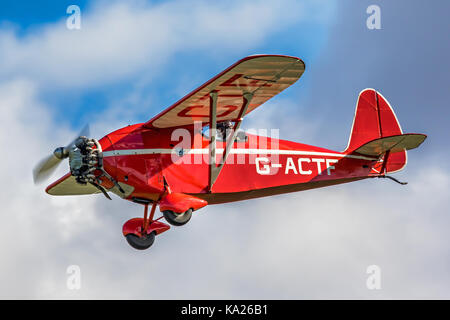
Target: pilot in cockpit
point(223, 129)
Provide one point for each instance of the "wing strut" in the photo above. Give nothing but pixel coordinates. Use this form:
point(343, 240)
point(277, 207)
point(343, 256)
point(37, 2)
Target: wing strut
point(212, 133)
point(215, 170)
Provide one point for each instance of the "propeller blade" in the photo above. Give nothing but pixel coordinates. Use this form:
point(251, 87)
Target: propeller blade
point(84, 132)
point(45, 168)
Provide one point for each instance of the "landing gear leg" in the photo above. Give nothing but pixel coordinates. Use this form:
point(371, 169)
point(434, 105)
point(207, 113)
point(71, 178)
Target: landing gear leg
point(141, 232)
point(152, 214)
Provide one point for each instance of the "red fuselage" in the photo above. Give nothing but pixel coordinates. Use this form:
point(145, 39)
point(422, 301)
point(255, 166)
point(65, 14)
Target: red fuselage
point(259, 166)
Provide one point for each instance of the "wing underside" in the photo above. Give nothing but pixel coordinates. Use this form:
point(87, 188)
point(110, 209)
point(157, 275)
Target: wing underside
point(263, 76)
point(67, 185)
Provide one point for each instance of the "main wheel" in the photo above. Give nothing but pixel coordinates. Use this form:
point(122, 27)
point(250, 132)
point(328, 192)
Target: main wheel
point(177, 219)
point(141, 243)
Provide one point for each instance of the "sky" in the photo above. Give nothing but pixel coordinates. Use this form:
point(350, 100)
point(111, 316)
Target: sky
point(131, 59)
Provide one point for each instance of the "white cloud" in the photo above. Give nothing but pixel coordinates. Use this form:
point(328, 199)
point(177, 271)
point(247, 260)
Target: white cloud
point(314, 244)
point(118, 40)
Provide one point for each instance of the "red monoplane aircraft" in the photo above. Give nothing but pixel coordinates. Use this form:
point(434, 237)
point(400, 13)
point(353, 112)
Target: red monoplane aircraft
point(193, 154)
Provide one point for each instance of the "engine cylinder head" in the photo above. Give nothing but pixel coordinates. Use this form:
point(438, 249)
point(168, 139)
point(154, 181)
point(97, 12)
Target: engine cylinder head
point(84, 160)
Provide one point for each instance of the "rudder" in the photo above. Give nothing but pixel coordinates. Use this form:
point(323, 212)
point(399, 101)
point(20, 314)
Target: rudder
point(375, 119)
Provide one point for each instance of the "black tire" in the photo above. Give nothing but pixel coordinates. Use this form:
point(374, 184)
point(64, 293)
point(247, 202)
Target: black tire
point(141, 243)
point(177, 219)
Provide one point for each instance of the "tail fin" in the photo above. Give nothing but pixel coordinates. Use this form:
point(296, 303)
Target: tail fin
point(374, 122)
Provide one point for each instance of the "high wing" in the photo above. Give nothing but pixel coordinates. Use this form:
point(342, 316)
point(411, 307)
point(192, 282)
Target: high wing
point(261, 76)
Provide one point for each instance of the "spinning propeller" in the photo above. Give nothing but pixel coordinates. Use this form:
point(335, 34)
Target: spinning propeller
point(47, 166)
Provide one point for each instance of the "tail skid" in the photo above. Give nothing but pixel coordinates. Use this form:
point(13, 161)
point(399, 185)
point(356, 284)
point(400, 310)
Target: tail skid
point(393, 179)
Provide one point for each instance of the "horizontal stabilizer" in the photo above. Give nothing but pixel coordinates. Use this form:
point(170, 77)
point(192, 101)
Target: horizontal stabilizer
point(396, 143)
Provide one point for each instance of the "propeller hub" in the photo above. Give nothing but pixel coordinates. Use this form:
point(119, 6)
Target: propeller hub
point(61, 153)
